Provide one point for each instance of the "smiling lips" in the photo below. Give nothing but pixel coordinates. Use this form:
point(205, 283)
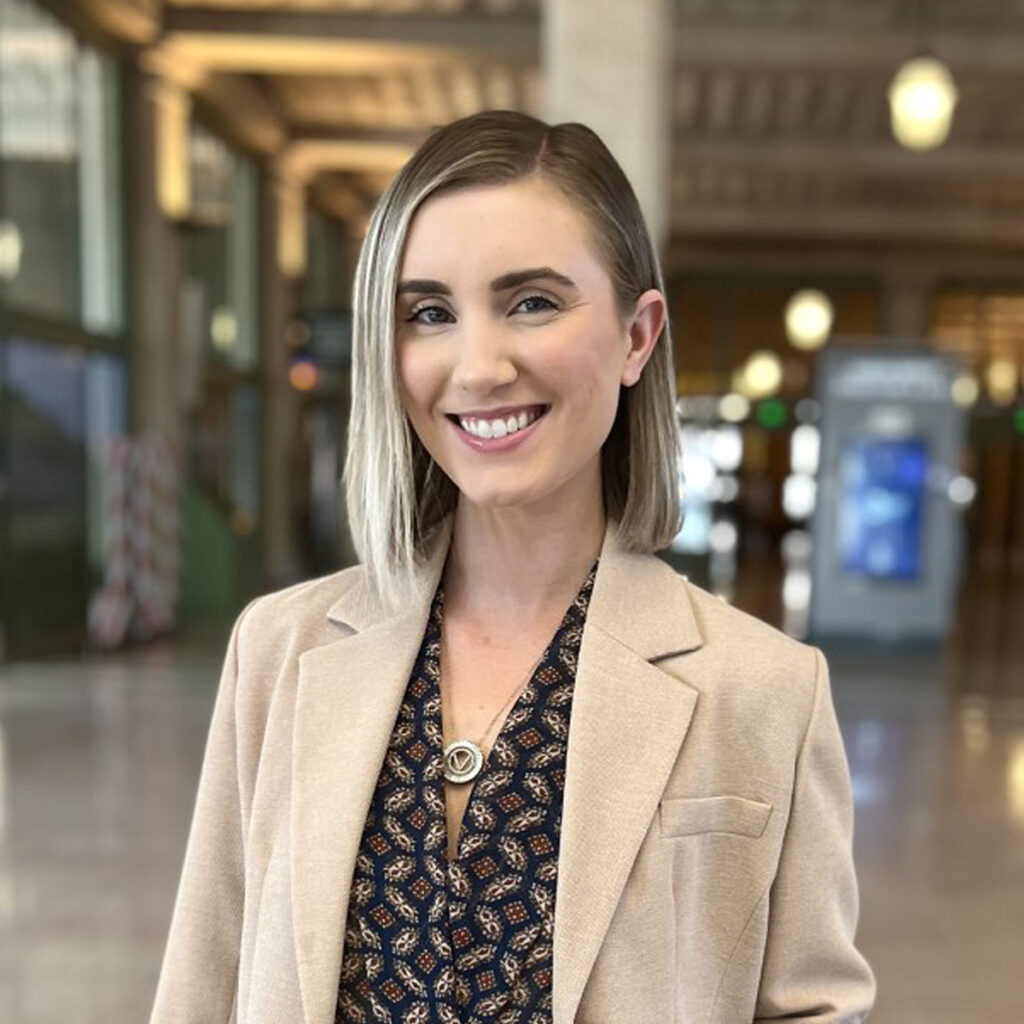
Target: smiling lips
point(500, 426)
point(484, 432)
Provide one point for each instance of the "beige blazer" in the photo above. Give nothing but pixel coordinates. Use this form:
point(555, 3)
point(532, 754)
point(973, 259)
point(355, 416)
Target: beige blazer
point(705, 872)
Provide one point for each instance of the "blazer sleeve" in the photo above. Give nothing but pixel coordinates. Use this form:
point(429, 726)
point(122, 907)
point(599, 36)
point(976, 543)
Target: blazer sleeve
point(811, 970)
point(199, 975)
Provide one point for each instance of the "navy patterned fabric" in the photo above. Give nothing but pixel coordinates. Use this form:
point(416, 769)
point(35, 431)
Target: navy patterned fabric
point(467, 941)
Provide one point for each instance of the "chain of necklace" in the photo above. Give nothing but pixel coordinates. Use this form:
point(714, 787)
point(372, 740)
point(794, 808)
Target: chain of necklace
point(464, 759)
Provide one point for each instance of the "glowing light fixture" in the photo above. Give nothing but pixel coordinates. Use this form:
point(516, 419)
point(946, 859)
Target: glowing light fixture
point(733, 408)
point(965, 390)
point(922, 98)
point(799, 494)
point(224, 329)
point(11, 247)
point(1001, 380)
point(304, 375)
point(805, 449)
point(762, 374)
point(809, 319)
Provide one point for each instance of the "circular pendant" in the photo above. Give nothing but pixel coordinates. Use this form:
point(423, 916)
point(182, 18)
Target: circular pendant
point(462, 761)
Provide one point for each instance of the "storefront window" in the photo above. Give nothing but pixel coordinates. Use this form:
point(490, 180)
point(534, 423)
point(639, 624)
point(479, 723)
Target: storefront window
point(223, 249)
point(324, 283)
point(60, 188)
point(58, 408)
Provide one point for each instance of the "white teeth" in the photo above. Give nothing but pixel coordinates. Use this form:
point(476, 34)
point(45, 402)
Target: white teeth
point(487, 429)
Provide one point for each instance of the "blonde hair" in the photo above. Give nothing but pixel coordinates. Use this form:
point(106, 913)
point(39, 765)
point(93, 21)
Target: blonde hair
point(394, 491)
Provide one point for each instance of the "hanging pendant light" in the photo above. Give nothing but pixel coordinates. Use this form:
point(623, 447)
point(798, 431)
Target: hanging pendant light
point(922, 98)
point(809, 319)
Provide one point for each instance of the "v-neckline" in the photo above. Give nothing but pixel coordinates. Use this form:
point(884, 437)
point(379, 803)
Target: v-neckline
point(529, 688)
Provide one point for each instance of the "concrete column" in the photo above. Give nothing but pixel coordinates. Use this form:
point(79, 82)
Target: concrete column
point(607, 64)
point(281, 562)
point(155, 279)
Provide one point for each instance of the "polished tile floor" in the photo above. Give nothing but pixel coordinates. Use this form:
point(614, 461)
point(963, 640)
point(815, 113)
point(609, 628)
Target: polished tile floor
point(99, 760)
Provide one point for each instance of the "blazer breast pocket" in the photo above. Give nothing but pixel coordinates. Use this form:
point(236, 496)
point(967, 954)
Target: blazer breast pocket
point(733, 815)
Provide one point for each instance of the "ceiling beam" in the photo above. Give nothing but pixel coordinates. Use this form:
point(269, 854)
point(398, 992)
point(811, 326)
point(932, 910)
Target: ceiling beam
point(244, 112)
point(389, 137)
point(844, 49)
point(340, 43)
point(789, 258)
point(852, 224)
point(852, 158)
point(132, 21)
point(305, 158)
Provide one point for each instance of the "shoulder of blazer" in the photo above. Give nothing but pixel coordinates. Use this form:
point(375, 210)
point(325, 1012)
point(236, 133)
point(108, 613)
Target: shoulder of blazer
point(277, 627)
point(748, 661)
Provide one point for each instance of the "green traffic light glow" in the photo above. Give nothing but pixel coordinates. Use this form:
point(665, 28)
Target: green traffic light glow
point(771, 413)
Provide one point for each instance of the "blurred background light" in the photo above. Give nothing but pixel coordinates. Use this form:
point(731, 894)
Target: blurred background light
point(807, 410)
point(303, 375)
point(297, 334)
point(962, 490)
point(224, 329)
point(723, 536)
point(10, 250)
point(965, 390)
point(771, 413)
point(725, 489)
point(809, 319)
point(1001, 381)
point(727, 448)
point(698, 469)
point(797, 546)
point(799, 492)
point(762, 374)
point(805, 449)
point(734, 408)
point(922, 98)
point(796, 590)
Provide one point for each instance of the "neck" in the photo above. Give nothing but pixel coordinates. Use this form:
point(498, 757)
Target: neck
point(516, 563)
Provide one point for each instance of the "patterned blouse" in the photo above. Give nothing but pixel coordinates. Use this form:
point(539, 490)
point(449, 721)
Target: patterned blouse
point(428, 941)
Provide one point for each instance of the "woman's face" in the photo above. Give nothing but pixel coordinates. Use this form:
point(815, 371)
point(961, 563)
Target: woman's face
point(511, 350)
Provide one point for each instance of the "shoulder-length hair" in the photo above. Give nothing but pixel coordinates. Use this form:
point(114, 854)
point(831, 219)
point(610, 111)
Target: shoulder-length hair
point(394, 491)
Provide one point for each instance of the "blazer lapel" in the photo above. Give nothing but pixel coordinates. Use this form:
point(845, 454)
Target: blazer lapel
point(349, 693)
point(629, 720)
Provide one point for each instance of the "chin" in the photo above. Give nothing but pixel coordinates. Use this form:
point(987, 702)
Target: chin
point(498, 497)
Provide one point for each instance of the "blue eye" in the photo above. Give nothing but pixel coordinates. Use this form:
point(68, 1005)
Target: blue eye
point(538, 298)
point(416, 317)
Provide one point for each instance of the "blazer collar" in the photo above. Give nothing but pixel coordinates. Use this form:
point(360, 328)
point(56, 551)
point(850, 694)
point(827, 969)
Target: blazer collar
point(629, 720)
point(652, 630)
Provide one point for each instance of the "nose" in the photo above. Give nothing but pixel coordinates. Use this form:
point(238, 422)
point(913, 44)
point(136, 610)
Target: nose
point(483, 359)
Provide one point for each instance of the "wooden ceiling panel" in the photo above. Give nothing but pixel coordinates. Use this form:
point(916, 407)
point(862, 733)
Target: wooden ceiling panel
point(778, 110)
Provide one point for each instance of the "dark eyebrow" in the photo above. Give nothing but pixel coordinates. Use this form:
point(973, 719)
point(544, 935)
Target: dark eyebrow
point(500, 284)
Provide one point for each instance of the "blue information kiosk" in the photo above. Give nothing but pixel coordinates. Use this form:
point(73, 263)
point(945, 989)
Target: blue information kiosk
point(887, 536)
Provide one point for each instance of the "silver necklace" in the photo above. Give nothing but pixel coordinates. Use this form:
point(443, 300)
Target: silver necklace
point(464, 759)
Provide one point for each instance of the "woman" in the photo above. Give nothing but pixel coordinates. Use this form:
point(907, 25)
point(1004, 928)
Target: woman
point(512, 767)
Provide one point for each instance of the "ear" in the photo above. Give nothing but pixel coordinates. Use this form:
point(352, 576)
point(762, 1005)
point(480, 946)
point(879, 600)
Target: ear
point(644, 329)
